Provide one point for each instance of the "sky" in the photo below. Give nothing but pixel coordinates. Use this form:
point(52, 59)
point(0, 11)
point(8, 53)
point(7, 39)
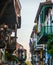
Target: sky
point(28, 13)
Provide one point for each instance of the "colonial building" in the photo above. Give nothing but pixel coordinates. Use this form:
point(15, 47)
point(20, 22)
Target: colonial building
point(44, 19)
point(44, 28)
point(10, 21)
point(19, 46)
point(35, 49)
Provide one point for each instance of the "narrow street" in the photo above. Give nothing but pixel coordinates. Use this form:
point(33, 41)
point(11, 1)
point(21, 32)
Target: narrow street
point(26, 32)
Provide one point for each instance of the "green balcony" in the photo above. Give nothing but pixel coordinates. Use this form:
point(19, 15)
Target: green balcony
point(45, 31)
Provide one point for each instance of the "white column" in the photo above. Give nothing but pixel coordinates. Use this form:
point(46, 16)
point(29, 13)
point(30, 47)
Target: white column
point(39, 24)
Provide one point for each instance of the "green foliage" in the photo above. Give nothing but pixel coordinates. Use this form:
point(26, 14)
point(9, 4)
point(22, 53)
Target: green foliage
point(28, 63)
point(50, 44)
point(14, 58)
point(50, 36)
point(51, 51)
point(10, 57)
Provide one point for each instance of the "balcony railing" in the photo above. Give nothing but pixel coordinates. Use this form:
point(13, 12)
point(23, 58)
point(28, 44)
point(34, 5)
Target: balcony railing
point(45, 30)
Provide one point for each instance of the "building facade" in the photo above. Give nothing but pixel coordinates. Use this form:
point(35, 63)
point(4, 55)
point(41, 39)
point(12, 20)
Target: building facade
point(44, 21)
point(10, 21)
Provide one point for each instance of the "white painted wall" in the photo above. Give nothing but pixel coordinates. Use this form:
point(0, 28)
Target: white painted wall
point(52, 17)
point(52, 13)
point(48, 22)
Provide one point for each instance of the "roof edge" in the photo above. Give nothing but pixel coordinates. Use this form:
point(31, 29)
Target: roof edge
point(39, 9)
